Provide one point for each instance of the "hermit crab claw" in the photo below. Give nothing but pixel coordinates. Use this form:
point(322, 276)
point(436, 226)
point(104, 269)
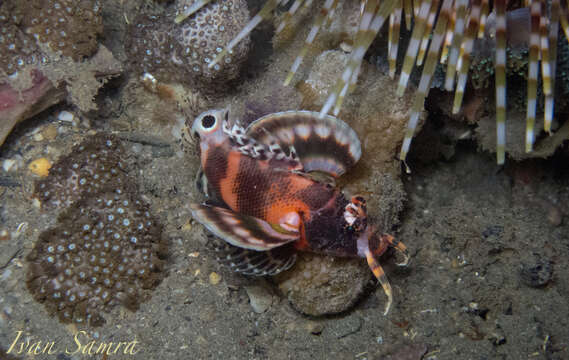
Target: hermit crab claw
point(399, 246)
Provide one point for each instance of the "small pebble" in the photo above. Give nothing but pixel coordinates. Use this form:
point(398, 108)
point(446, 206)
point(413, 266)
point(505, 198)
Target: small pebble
point(6, 275)
point(214, 278)
point(187, 226)
point(8, 164)
point(65, 116)
point(50, 132)
point(259, 297)
point(313, 327)
point(40, 167)
point(554, 216)
point(536, 274)
point(4, 235)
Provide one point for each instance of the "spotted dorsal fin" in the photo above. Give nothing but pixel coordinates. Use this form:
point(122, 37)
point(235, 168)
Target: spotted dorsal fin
point(270, 151)
point(242, 230)
point(251, 262)
point(323, 144)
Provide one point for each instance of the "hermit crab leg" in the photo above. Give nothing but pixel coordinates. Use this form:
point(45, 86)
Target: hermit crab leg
point(396, 244)
point(364, 38)
point(381, 277)
point(533, 67)
point(322, 15)
point(413, 48)
point(189, 10)
point(263, 14)
point(428, 71)
point(471, 32)
point(500, 71)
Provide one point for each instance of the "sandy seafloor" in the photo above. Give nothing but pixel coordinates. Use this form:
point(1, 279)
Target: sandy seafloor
point(475, 232)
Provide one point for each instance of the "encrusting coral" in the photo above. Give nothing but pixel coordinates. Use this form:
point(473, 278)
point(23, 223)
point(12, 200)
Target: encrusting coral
point(90, 167)
point(106, 248)
point(65, 26)
point(182, 51)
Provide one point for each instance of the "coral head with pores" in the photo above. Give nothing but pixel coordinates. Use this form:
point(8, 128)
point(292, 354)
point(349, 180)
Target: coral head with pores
point(181, 52)
point(106, 248)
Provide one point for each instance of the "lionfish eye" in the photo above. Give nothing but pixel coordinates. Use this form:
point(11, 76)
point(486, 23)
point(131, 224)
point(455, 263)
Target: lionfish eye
point(208, 121)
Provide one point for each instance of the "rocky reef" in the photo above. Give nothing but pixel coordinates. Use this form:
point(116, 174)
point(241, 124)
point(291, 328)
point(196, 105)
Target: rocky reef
point(106, 248)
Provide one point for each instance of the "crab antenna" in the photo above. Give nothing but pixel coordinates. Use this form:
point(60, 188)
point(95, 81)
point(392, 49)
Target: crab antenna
point(500, 71)
point(426, 77)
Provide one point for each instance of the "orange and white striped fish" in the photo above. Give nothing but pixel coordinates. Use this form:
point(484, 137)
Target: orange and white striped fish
point(268, 203)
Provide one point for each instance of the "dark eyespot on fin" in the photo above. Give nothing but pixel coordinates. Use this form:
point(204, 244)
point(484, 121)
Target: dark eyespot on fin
point(242, 230)
point(323, 144)
point(257, 263)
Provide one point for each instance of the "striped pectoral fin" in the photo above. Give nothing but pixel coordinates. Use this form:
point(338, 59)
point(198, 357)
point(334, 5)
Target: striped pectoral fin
point(257, 263)
point(242, 230)
point(381, 277)
point(324, 144)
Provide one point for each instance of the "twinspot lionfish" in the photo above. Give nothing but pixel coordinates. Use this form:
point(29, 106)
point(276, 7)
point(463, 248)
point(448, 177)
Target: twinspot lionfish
point(266, 201)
